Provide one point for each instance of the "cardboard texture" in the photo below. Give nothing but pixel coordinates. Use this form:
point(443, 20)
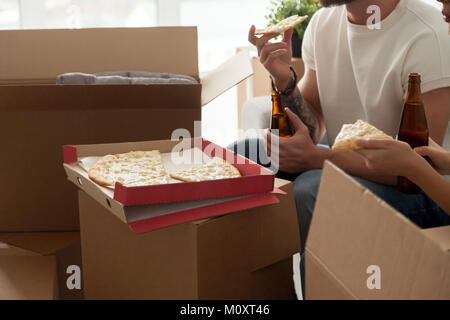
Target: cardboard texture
point(34, 265)
point(353, 230)
point(235, 256)
point(37, 117)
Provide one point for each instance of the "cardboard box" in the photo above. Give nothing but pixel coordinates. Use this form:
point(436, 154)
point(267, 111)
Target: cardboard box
point(359, 247)
point(243, 255)
point(39, 265)
point(37, 117)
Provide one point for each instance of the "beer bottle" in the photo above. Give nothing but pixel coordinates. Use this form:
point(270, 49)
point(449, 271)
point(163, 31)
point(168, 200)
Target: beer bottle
point(413, 127)
point(280, 119)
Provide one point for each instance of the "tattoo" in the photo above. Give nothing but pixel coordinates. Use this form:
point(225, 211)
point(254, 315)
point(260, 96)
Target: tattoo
point(295, 102)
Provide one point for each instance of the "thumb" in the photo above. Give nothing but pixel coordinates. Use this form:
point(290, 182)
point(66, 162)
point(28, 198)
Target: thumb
point(287, 36)
point(296, 122)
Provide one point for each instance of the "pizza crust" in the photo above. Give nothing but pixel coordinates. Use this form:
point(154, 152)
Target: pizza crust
point(136, 168)
point(283, 25)
point(216, 169)
point(350, 133)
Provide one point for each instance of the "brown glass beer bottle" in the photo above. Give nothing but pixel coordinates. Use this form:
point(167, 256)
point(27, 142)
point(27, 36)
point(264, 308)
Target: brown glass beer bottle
point(413, 127)
point(280, 119)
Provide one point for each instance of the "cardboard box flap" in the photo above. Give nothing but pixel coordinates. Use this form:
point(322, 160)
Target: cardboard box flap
point(160, 49)
point(440, 235)
point(225, 77)
point(44, 243)
point(28, 277)
point(7, 250)
point(352, 231)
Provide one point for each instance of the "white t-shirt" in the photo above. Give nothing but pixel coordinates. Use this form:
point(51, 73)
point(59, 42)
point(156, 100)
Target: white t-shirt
point(363, 73)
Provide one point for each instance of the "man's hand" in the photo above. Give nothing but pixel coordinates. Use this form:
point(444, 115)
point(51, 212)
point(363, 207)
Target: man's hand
point(275, 57)
point(295, 154)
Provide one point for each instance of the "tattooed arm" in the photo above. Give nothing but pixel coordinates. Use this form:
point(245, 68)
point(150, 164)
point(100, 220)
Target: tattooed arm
point(304, 101)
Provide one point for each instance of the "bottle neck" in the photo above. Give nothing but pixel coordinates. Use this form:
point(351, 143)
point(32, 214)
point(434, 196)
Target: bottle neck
point(414, 93)
point(275, 103)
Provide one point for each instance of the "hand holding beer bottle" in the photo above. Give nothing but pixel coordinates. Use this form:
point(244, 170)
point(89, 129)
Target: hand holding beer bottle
point(280, 120)
point(413, 127)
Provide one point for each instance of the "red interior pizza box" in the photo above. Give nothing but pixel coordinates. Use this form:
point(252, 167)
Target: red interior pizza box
point(152, 207)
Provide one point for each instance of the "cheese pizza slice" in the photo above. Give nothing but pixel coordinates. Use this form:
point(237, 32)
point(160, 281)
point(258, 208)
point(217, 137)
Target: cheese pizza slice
point(283, 25)
point(215, 169)
point(136, 168)
point(346, 139)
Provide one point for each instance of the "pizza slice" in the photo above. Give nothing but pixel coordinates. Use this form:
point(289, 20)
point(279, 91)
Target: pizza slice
point(216, 169)
point(283, 25)
point(136, 168)
point(346, 139)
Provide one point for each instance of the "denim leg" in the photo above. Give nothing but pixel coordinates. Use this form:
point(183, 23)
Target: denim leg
point(306, 187)
point(418, 208)
point(253, 149)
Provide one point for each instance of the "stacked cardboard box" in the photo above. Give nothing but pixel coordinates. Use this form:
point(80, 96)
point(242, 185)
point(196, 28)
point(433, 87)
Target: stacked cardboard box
point(37, 117)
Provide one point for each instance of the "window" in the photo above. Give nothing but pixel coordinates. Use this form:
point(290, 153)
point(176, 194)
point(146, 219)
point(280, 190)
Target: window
point(100, 13)
point(9, 14)
point(222, 27)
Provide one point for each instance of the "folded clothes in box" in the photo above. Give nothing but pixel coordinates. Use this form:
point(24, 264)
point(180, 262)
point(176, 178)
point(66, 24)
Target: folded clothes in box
point(124, 77)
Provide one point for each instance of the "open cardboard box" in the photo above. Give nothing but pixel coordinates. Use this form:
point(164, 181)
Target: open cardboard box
point(357, 242)
point(242, 255)
point(37, 117)
point(36, 265)
point(152, 207)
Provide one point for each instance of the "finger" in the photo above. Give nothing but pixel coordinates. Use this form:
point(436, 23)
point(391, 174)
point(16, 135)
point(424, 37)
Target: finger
point(296, 122)
point(287, 36)
point(262, 41)
point(274, 55)
point(373, 143)
point(268, 48)
point(251, 35)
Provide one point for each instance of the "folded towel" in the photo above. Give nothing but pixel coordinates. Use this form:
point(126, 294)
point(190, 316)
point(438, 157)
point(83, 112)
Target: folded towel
point(124, 77)
point(76, 78)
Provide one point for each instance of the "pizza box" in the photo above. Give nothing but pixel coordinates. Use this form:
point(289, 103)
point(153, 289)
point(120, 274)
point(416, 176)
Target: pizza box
point(40, 266)
point(37, 116)
point(147, 208)
point(359, 247)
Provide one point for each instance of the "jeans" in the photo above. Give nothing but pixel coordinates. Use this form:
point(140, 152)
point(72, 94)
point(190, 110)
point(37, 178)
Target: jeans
point(419, 208)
